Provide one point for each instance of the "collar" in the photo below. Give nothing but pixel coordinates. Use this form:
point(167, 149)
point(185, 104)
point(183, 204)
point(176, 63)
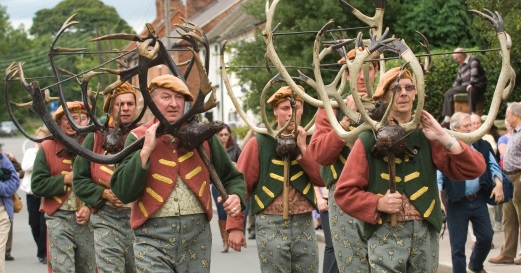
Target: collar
point(466, 60)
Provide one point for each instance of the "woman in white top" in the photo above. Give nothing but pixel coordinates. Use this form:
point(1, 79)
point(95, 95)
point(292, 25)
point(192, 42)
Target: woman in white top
point(36, 217)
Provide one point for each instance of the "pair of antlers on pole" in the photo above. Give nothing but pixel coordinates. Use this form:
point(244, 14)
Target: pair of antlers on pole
point(366, 50)
point(152, 52)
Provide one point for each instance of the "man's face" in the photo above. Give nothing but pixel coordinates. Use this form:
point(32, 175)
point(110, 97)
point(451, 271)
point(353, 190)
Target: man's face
point(127, 104)
point(404, 97)
point(79, 119)
point(475, 121)
point(458, 57)
point(283, 113)
point(171, 104)
point(360, 83)
point(512, 119)
point(465, 125)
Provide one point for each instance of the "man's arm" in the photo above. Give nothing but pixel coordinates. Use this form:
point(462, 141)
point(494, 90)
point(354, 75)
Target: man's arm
point(9, 186)
point(42, 183)
point(83, 186)
point(325, 144)
point(129, 178)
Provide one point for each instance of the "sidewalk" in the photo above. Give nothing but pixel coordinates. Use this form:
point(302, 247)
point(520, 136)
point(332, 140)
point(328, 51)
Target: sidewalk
point(445, 257)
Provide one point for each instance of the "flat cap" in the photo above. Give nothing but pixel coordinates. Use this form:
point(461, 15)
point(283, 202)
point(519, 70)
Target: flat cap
point(73, 106)
point(170, 82)
point(284, 93)
point(124, 88)
point(388, 78)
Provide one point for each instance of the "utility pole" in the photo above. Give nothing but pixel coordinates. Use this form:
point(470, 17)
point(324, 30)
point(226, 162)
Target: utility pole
point(167, 24)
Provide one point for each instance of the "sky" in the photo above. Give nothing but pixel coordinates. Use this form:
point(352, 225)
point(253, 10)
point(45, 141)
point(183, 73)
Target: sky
point(135, 12)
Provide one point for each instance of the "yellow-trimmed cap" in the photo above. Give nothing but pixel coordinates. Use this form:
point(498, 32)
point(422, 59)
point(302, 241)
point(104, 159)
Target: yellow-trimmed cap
point(386, 80)
point(73, 106)
point(170, 82)
point(284, 93)
point(124, 88)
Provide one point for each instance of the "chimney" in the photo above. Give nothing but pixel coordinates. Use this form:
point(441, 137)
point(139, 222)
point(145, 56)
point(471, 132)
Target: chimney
point(195, 6)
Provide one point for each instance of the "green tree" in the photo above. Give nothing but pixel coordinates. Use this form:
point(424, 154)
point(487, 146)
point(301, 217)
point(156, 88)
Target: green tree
point(13, 42)
point(445, 23)
point(95, 19)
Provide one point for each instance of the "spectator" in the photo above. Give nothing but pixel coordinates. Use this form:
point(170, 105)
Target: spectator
point(471, 78)
point(20, 173)
point(512, 209)
point(36, 217)
point(467, 202)
point(9, 183)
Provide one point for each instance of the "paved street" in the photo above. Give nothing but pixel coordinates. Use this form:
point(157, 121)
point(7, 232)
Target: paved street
point(24, 249)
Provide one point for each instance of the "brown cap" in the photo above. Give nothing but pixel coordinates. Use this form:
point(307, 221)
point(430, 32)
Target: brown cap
point(124, 88)
point(388, 78)
point(73, 106)
point(350, 55)
point(170, 82)
point(284, 93)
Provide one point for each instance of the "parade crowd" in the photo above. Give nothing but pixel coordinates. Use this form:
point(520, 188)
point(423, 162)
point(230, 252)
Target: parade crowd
point(151, 211)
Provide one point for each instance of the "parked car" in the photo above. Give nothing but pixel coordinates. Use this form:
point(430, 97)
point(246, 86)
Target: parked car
point(7, 128)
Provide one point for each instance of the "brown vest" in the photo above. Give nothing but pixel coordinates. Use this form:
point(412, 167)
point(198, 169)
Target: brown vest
point(58, 166)
point(166, 164)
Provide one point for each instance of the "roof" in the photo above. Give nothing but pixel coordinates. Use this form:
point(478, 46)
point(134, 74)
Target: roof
point(235, 24)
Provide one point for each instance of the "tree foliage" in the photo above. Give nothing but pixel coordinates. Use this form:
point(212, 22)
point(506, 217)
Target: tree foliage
point(446, 24)
point(95, 19)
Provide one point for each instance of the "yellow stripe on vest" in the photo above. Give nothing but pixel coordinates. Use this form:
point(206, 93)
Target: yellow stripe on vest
point(193, 172)
point(154, 195)
point(208, 203)
point(186, 156)
point(277, 177)
point(201, 189)
point(386, 177)
point(342, 159)
point(380, 221)
point(411, 176)
point(296, 176)
point(162, 178)
point(65, 172)
point(268, 192)
point(57, 199)
point(430, 209)
point(306, 189)
point(396, 160)
point(107, 170)
point(167, 162)
point(143, 209)
point(67, 161)
point(259, 202)
point(281, 163)
point(419, 193)
point(334, 172)
point(103, 183)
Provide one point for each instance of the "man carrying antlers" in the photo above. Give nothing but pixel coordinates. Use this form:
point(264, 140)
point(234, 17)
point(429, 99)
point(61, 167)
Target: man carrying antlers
point(170, 189)
point(363, 187)
point(284, 245)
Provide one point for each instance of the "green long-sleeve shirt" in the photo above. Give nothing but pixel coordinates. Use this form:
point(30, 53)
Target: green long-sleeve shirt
point(43, 183)
point(84, 188)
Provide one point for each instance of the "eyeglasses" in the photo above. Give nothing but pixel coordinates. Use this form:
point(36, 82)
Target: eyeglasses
point(225, 134)
point(408, 88)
